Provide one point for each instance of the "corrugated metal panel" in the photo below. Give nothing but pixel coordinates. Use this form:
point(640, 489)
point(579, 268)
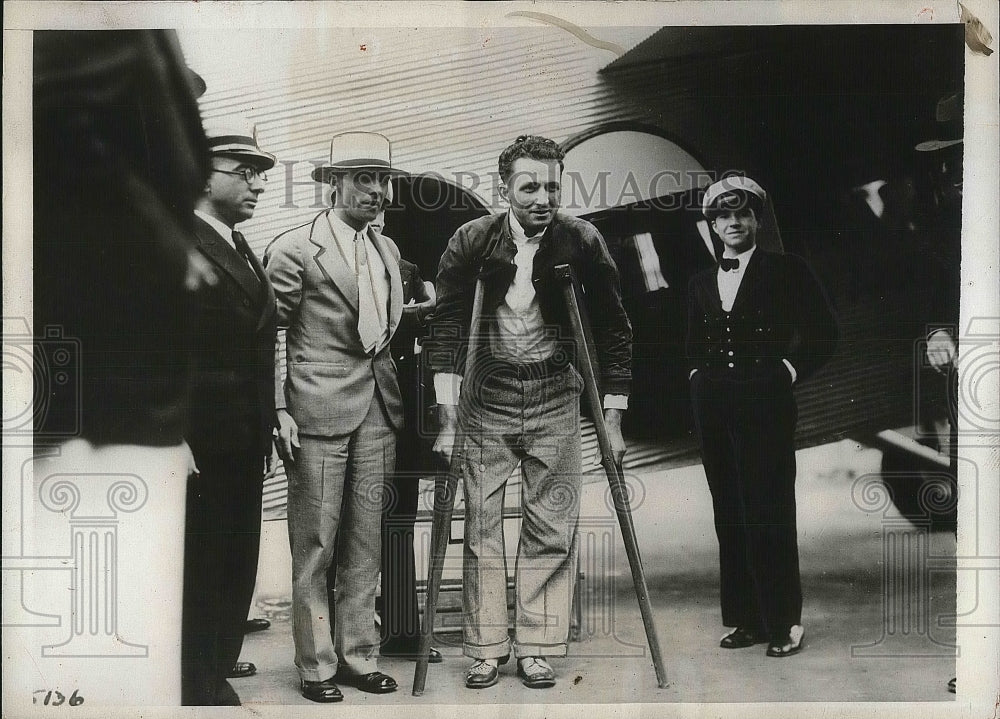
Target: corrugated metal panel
point(450, 100)
point(448, 106)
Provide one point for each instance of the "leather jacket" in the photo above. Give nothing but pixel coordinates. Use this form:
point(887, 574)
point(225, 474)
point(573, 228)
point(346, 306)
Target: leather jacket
point(484, 248)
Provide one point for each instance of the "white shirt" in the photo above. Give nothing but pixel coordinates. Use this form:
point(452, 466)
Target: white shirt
point(344, 235)
point(729, 282)
point(521, 337)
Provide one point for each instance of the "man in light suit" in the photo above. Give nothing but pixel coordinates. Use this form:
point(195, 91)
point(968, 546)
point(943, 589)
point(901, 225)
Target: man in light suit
point(400, 612)
point(339, 296)
point(231, 422)
point(758, 323)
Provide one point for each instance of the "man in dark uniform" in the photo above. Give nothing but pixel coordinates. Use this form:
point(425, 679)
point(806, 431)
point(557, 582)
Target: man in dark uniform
point(232, 418)
point(758, 323)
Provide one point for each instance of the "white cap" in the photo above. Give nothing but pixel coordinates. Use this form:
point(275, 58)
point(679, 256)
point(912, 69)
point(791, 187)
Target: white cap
point(734, 183)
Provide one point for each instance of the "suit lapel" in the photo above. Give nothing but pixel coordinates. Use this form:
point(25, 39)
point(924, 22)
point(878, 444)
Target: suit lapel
point(751, 279)
point(332, 262)
point(227, 259)
point(268, 309)
point(395, 281)
point(710, 288)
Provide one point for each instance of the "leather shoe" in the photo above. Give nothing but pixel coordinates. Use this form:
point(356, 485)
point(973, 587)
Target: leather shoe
point(952, 684)
point(256, 625)
point(535, 673)
point(373, 682)
point(739, 638)
point(413, 654)
point(481, 675)
point(323, 692)
point(241, 670)
point(792, 644)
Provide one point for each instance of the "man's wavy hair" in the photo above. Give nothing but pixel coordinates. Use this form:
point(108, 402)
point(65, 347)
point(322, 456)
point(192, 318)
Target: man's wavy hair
point(534, 147)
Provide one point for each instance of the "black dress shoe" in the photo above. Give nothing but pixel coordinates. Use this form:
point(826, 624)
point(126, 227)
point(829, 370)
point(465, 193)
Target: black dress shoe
point(411, 653)
point(952, 684)
point(323, 692)
point(256, 625)
point(787, 646)
point(739, 638)
point(241, 670)
point(373, 682)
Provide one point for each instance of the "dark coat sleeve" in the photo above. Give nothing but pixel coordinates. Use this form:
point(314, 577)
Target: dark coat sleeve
point(695, 345)
point(816, 332)
point(447, 344)
point(610, 324)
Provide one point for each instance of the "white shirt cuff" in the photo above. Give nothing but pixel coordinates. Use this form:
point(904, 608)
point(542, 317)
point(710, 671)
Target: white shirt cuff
point(447, 387)
point(616, 401)
point(691, 373)
point(791, 370)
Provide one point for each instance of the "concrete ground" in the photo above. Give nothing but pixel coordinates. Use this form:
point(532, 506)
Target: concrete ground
point(878, 591)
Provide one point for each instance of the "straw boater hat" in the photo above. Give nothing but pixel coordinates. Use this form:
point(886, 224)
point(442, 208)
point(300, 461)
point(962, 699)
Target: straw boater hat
point(731, 193)
point(358, 151)
point(237, 139)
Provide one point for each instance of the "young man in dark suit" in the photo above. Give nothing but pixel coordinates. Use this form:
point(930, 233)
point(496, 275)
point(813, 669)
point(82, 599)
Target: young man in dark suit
point(758, 323)
point(231, 423)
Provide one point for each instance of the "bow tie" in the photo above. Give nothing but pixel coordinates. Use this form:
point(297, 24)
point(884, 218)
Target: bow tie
point(726, 264)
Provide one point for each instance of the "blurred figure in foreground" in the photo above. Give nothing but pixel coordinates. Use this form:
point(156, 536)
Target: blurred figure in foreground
point(119, 157)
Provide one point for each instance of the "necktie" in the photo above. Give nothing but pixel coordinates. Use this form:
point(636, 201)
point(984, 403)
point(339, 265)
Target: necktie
point(243, 247)
point(727, 264)
point(370, 324)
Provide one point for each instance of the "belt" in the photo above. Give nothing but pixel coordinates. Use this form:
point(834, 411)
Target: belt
point(558, 362)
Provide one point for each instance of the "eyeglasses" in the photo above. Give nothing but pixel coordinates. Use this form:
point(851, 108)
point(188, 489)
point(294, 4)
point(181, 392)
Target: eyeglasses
point(247, 173)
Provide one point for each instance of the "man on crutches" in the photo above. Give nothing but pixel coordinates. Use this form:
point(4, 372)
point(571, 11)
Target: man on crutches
point(524, 404)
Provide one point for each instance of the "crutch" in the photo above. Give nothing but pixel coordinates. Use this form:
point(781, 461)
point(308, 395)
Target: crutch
point(619, 492)
point(444, 504)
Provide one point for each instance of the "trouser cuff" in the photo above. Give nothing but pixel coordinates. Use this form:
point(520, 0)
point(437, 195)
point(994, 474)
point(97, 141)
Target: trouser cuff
point(319, 674)
point(540, 650)
point(486, 651)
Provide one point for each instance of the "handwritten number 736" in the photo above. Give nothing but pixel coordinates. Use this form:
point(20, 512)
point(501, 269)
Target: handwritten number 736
point(56, 698)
